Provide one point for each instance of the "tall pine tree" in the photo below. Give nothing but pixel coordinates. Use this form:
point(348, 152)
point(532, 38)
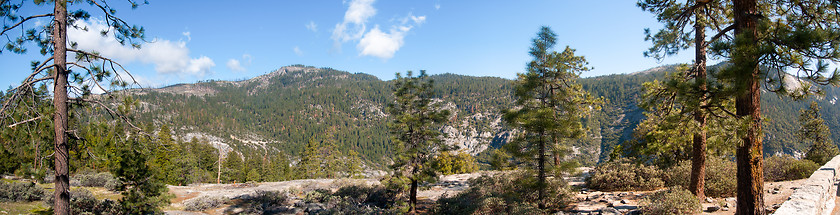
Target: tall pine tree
point(414, 128)
point(772, 40)
point(694, 93)
point(813, 129)
point(92, 68)
point(549, 107)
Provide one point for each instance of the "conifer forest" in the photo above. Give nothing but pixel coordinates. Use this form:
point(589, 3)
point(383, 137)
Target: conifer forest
point(354, 107)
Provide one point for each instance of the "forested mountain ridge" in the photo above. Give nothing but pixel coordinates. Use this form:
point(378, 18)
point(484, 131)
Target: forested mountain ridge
point(280, 111)
point(286, 107)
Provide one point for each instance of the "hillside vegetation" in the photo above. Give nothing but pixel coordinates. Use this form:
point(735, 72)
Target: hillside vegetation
point(281, 110)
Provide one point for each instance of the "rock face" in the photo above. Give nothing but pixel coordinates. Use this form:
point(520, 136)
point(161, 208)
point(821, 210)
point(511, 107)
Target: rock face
point(816, 195)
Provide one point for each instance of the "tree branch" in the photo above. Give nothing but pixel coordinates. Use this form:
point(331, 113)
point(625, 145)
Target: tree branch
point(110, 61)
point(22, 21)
point(24, 121)
point(112, 113)
point(721, 33)
point(91, 75)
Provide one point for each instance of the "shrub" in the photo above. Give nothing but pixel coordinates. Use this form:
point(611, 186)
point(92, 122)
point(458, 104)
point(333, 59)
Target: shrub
point(674, 201)
point(265, 202)
point(113, 185)
point(20, 192)
point(348, 205)
point(204, 202)
point(720, 176)
point(822, 152)
point(95, 179)
point(784, 168)
point(271, 197)
point(82, 201)
point(372, 195)
point(509, 192)
point(317, 195)
point(624, 175)
point(448, 163)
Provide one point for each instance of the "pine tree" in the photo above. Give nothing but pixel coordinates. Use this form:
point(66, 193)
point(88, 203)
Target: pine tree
point(694, 95)
point(53, 41)
point(781, 37)
point(549, 107)
point(142, 192)
point(353, 164)
point(232, 168)
point(310, 160)
point(813, 129)
point(414, 129)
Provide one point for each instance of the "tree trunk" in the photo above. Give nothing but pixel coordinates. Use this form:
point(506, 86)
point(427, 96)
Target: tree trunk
point(698, 158)
point(748, 155)
point(219, 173)
point(412, 197)
point(541, 174)
point(62, 159)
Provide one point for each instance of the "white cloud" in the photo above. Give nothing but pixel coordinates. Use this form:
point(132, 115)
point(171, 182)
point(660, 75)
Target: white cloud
point(418, 19)
point(187, 34)
point(353, 26)
point(374, 42)
point(437, 6)
point(380, 44)
point(297, 50)
point(239, 66)
point(168, 57)
point(312, 26)
point(234, 65)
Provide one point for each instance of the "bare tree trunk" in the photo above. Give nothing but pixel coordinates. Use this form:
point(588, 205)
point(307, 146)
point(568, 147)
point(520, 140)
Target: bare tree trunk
point(698, 159)
point(412, 197)
point(62, 159)
point(541, 176)
point(748, 155)
point(219, 173)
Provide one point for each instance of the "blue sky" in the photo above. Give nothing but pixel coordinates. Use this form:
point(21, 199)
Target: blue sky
point(231, 40)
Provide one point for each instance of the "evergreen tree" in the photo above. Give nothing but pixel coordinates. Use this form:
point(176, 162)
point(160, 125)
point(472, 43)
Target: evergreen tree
point(499, 160)
point(333, 162)
point(52, 40)
point(414, 129)
point(782, 37)
point(695, 95)
point(142, 192)
point(549, 107)
point(232, 168)
point(310, 160)
point(813, 129)
point(353, 164)
point(164, 155)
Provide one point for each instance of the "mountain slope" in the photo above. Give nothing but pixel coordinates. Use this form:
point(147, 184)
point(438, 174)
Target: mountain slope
point(282, 110)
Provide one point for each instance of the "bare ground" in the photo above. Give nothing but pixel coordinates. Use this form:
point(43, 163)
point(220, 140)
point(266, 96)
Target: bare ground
point(587, 201)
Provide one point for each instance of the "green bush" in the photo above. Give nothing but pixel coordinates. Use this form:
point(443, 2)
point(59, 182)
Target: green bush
point(720, 176)
point(82, 201)
point(266, 202)
point(449, 163)
point(204, 202)
point(508, 193)
point(822, 152)
point(95, 179)
point(317, 195)
point(624, 175)
point(20, 192)
point(376, 196)
point(676, 201)
point(784, 168)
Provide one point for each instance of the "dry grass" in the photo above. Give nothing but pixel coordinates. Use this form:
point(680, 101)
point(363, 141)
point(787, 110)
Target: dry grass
point(19, 207)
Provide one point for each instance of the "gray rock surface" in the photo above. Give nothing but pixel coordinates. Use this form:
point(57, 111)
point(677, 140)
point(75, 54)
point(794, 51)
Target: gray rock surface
point(816, 195)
